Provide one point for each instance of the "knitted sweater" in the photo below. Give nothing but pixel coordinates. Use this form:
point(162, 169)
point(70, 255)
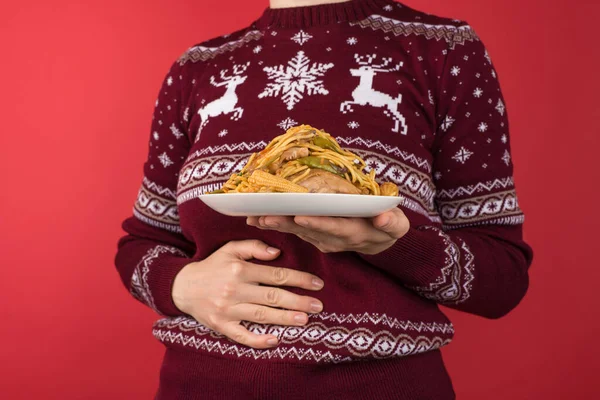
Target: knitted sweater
point(413, 94)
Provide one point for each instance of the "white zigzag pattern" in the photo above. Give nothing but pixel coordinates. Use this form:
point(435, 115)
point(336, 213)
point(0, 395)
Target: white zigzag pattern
point(159, 189)
point(187, 323)
point(360, 342)
point(157, 224)
point(203, 53)
point(414, 23)
point(214, 346)
point(501, 183)
point(368, 143)
point(514, 220)
point(383, 319)
point(451, 34)
point(198, 191)
point(140, 288)
point(231, 148)
point(453, 286)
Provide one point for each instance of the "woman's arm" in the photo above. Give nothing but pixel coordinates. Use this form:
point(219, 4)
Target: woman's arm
point(477, 260)
point(154, 249)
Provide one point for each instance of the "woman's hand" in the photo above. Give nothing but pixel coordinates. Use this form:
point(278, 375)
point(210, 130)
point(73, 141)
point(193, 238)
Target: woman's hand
point(328, 234)
point(223, 290)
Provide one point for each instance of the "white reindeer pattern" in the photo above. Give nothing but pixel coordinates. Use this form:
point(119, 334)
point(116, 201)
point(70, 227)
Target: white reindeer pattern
point(227, 103)
point(364, 94)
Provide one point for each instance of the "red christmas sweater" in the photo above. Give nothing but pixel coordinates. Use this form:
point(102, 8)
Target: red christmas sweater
point(417, 97)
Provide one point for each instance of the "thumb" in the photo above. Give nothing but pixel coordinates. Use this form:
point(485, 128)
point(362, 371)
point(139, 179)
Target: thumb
point(249, 249)
point(392, 222)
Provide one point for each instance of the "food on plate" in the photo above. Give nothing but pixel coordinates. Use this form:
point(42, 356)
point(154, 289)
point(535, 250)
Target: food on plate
point(306, 160)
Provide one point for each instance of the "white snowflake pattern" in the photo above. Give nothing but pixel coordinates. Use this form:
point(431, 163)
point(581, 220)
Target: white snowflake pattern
point(462, 155)
point(165, 160)
point(388, 7)
point(493, 73)
point(352, 41)
point(328, 49)
point(186, 114)
point(223, 133)
point(301, 37)
point(437, 175)
point(175, 131)
point(482, 127)
point(156, 103)
point(155, 135)
point(455, 71)
point(504, 139)
point(506, 158)
point(257, 49)
point(448, 121)
point(478, 92)
point(430, 96)
point(500, 107)
point(287, 124)
point(169, 81)
point(353, 125)
point(295, 80)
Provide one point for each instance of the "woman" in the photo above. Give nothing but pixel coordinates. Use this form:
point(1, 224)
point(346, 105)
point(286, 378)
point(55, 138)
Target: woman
point(335, 308)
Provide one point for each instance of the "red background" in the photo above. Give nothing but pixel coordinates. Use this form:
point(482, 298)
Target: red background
point(78, 84)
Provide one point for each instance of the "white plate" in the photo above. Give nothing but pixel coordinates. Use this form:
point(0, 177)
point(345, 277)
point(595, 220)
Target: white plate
point(315, 204)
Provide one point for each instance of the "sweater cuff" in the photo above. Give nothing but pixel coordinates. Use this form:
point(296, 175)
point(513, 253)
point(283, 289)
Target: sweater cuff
point(415, 258)
point(155, 276)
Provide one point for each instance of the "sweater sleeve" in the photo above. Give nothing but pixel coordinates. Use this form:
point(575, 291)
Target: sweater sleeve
point(154, 249)
point(476, 261)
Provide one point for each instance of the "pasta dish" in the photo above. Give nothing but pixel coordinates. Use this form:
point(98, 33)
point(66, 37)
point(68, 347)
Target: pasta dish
point(306, 160)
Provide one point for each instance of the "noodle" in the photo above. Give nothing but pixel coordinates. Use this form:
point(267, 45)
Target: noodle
point(285, 158)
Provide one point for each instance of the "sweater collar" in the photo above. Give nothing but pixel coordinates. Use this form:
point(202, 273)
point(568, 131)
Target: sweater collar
point(324, 14)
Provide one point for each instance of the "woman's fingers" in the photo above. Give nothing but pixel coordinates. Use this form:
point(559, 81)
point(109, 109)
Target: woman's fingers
point(249, 249)
point(237, 332)
point(392, 222)
point(276, 297)
point(335, 226)
point(279, 276)
point(281, 224)
point(266, 315)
